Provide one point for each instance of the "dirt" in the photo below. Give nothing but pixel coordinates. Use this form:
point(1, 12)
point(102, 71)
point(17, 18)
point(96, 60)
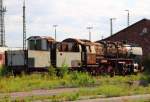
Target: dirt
point(40, 92)
point(69, 90)
point(133, 98)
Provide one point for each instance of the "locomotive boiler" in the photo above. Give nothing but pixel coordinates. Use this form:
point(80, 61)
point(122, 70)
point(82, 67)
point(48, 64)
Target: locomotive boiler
point(120, 58)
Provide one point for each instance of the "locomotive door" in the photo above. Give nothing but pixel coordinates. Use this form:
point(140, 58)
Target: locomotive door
point(53, 48)
point(88, 55)
point(91, 55)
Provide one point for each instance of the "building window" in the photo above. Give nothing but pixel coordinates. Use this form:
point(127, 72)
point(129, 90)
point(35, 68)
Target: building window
point(144, 31)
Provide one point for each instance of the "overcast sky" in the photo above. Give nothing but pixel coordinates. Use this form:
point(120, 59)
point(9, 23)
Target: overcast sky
point(72, 16)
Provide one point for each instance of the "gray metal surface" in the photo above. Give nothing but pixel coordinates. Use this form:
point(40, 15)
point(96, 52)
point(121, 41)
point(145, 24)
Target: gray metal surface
point(15, 58)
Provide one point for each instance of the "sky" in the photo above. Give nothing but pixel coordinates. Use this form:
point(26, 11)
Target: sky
point(72, 18)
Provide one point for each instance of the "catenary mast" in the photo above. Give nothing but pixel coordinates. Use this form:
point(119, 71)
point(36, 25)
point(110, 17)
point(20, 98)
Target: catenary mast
point(24, 26)
point(2, 24)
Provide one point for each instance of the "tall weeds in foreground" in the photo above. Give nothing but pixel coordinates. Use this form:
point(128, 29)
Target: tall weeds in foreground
point(82, 79)
point(146, 63)
point(97, 92)
point(64, 79)
point(63, 70)
point(52, 71)
point(41, 81)
point(5, 71)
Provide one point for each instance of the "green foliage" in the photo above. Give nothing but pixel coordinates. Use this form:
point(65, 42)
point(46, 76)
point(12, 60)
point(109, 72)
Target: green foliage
point(55, 98)
point(5, 71)
point(52, 71)
point(65, 97)
point(146, 63)
point(145, 78)
point(100, 91)
point(38, 81)
point(63, 70)
point(105, 90)
point(112, 90)
point(119, 79)
point(108, 87)
point(82, 79)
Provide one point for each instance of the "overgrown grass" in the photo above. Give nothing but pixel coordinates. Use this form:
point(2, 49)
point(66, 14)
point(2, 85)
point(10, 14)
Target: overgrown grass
point(4, 71)
point(74, 79)
point(105, 85)
point(121, 79)
point(32, 82)
point(103, 91)
point(115, 90)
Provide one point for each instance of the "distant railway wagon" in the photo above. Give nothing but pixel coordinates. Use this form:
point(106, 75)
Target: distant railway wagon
point(102, 57)
point(36, 58)
point(29, 60)
point(2, 54)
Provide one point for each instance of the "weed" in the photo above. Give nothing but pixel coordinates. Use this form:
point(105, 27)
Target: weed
point(52, 71)
point(63, 70)
point(82, 79)
point(5, 71)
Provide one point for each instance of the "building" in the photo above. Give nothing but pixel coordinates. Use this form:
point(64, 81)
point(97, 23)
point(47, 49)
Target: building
point(138, 33)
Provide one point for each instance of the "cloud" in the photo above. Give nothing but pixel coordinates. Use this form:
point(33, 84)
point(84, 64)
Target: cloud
point(72, 16)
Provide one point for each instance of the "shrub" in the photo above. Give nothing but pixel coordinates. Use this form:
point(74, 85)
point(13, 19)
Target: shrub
point(112, 90)
point(52, 71)
point(5, 71)
point(63, 70)
point(82, 79)
point(146, 62)
point(70, 96)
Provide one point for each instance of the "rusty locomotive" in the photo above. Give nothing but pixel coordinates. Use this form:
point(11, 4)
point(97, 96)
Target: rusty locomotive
point(101, 57)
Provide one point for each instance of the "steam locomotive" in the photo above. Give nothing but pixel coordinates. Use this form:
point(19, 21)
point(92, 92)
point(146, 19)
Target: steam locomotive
point(101, 57)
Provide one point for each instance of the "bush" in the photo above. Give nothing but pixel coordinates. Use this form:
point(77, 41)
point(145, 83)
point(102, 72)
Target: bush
point(52, 71)
point(63, 70)
point(146, 63)
point(112, 90)
point(5, 71)
point(82, 79)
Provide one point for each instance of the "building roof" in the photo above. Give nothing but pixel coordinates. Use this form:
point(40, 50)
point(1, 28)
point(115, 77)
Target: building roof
point(135, 34)
point(143, 20)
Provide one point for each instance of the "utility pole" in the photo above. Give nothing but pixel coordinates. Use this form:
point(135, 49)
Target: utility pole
point(24, 25)
point(128, 17)
point(89, 28)
point(111, 26)
point(55, 27)
point(24, 36)
point(2, 24)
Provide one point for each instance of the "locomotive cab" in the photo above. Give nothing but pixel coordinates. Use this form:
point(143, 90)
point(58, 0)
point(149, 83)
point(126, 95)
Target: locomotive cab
point(75, 53)
point(68, 52)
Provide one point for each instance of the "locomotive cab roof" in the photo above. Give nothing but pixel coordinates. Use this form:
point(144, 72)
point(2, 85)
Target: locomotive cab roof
point(79, 41)
point(48, 38)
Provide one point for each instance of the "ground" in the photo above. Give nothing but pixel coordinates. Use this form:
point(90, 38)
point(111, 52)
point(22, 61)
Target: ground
point(75, 87)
